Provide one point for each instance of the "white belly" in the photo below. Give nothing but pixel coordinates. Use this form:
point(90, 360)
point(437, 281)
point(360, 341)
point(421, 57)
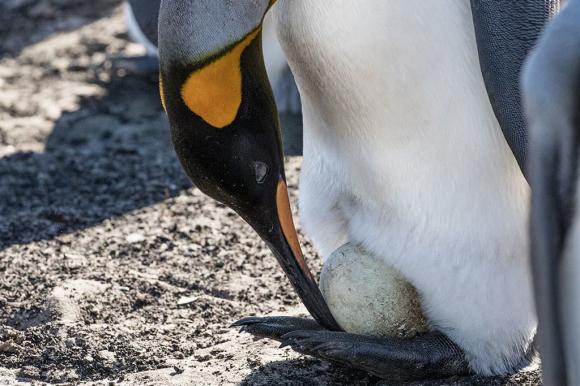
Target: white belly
point(403, 154)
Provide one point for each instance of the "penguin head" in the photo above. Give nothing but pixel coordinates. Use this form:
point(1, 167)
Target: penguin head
point(223, 119)
point(224, 122)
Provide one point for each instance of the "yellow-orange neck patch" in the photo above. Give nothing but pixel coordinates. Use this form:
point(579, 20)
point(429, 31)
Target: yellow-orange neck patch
point(214, 92)
point(162, 93)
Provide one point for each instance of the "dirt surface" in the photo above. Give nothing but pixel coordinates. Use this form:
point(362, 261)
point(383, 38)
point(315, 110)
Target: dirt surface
point(113, 269)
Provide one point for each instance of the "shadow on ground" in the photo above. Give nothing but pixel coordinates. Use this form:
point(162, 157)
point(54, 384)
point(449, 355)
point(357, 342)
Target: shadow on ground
point(111, 156)
point(311, 372)
point(307, 372)
point(43, 18)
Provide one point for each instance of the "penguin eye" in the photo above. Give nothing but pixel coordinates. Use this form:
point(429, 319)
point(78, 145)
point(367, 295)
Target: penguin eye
point(261, 170)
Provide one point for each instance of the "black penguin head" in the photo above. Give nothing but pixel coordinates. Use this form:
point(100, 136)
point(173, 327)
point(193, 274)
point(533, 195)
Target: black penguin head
point(225, 125)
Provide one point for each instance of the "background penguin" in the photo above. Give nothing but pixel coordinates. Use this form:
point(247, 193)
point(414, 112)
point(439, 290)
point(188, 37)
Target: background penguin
point(552, 96)
point(141, 17)
point(403, 154)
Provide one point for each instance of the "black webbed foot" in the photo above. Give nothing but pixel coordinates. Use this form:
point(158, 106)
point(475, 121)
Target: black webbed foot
point(428, 356)
point(424, 357)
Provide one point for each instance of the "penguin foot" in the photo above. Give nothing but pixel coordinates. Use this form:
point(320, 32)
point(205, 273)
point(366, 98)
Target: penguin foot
point(137, 65)
point(428, 356)
point(274, 327)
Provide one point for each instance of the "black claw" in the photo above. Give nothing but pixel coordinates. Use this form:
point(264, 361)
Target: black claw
point(274, 327)
point(284, 344)
point(246, 321)
point(242, 322)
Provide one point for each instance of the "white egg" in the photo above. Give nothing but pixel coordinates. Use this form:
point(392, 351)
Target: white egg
point(369, 297)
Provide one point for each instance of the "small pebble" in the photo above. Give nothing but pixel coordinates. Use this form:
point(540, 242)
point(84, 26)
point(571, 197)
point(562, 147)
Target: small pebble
point(29, 372)
point(184, 300)
point(135, 238)
point(178, 370)
point(8, 347)
point(107, 356)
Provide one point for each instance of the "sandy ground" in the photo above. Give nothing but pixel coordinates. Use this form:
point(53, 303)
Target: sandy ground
point(113, 269)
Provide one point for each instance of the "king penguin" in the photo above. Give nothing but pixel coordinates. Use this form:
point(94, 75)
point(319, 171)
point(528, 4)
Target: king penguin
point(413, 141)
point(552, 99)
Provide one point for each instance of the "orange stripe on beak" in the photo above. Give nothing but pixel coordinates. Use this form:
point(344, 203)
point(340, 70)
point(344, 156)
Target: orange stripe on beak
point(287, 223)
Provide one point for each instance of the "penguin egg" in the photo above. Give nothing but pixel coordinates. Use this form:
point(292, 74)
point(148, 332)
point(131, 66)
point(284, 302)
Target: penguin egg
point(368, 297)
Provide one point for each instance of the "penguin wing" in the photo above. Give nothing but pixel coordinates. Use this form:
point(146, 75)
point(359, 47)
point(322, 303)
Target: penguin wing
point(551, 85)
point(506, 31)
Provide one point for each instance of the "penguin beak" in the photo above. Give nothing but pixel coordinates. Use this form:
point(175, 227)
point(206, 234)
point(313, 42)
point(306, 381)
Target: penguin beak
point(225, 126)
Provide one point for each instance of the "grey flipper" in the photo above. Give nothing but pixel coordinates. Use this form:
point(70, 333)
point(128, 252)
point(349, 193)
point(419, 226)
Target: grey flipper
point(146, 14)
point(506, 31)
point(551, 86)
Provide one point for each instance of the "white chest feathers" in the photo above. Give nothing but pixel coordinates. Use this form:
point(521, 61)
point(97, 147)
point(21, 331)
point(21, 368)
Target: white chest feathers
point(404, 156)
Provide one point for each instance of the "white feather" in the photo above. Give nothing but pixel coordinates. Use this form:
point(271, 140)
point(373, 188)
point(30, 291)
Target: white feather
point(403, 154)
point(282, 81)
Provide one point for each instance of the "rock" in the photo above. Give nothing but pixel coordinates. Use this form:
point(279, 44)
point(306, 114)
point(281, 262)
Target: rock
point(62, 306)
point(107, 356)
point(29, 372)
point(178, 370)
point(368, 297)
point(185, 300)
point(135, 238)
point(8, 347)
point(75, 261)
point(10, 334)
point(64, 301)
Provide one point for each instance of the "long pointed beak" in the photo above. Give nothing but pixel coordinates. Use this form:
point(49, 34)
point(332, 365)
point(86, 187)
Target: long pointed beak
point(283, 241)
point(225, 125)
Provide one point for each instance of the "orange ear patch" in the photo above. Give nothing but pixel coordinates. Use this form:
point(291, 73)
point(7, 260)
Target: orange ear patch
point(214, 92)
